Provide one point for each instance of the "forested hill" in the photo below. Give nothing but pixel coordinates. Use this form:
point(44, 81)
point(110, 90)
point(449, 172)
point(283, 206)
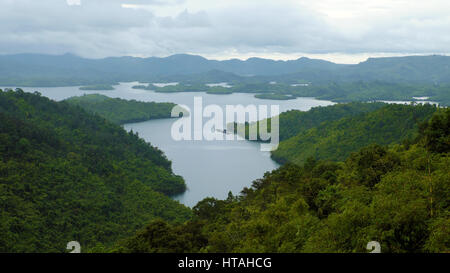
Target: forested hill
point(335, 139)
point(68, 175)
point(122, 111)
point(49, 70)
point(397, 196)
point(293, 122)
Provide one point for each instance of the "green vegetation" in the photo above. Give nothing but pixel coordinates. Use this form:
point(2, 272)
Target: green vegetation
point(396, 195)
point(219, 90)
point(397, 78)
point(276, 90)
point(175, 88)
point(353, 173)
point(337, 92)
point(272, 96)
point(372, 91)
point(122, 111)
point(66, 174)
point(47, 70)
point(352, 91)
point(97, 87)
point(335, 140)
point(294, 121)
point(333, 132)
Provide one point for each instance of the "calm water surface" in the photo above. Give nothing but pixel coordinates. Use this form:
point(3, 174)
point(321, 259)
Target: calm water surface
point(210, 168)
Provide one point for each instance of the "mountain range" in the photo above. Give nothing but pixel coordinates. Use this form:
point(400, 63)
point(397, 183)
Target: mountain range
point(69, 69)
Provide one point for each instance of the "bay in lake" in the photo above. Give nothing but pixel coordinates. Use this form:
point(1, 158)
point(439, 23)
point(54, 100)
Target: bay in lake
point(210, 168)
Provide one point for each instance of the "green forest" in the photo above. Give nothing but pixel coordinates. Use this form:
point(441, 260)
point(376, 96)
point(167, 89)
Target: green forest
point(273, 96)
point(352, 173)
point(376, 90)
point(396, 195)
point(70, 70)
point(333, 132)
point(336, 139)
point(122, 111)
point(97, 87)
point(229, 135)
point(293, 122)
point(362, 91)
point(67, 174)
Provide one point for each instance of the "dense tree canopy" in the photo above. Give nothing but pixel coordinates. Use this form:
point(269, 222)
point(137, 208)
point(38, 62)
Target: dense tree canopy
point(97, 87)
point(354, 173)
point(336, 139)
point(362, 91)
point(396, 195)
point(69, 175)
point(122, 111)
point(294, 122)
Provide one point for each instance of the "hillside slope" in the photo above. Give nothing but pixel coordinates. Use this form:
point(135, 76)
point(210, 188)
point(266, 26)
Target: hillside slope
point(294, 122)
point(397, 196)
point(68, 69)
point(67, 175)
point(122, 111)
point(336, 139)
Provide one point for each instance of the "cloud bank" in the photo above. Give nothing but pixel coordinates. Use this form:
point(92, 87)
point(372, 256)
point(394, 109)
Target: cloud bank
point(223, 28)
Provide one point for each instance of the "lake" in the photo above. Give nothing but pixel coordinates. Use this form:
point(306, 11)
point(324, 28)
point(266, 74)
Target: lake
point(210, 168)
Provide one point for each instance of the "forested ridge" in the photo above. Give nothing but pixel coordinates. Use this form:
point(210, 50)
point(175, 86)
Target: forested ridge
point(293, 122)
point(333, 132)
point(395, 78)
point(69, 175)
point(396, 195)
point(362, 91)
point(122, 111)
point(335, 139)
point(375, 90)
point(68, 69)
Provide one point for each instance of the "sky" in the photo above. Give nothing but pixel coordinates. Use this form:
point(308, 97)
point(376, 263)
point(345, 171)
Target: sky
point(343, 31)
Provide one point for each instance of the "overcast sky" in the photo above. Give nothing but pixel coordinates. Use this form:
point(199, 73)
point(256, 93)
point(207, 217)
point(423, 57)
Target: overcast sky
point(340, 30)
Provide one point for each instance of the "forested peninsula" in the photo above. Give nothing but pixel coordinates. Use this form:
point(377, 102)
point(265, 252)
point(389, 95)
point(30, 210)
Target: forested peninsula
point(67, 174)
point(122, 111)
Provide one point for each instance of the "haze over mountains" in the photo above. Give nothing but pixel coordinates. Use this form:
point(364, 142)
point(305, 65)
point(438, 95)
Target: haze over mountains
point(68, 69)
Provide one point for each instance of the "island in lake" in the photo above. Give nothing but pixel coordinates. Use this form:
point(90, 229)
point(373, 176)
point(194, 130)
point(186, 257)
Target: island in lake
point(97, 87)
point(273, 96)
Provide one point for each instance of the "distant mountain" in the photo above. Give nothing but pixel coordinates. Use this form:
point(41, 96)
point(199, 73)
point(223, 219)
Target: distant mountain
point(68, 69)
point(396, 194)
point(211, 76)
point(258, 66)
point(429, 69)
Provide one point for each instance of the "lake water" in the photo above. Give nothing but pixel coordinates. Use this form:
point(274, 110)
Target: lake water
point(210, 168)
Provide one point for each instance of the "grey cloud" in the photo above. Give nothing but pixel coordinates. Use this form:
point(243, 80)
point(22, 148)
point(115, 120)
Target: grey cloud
point(45, 15)
point(99, 28)
point(186, 20)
